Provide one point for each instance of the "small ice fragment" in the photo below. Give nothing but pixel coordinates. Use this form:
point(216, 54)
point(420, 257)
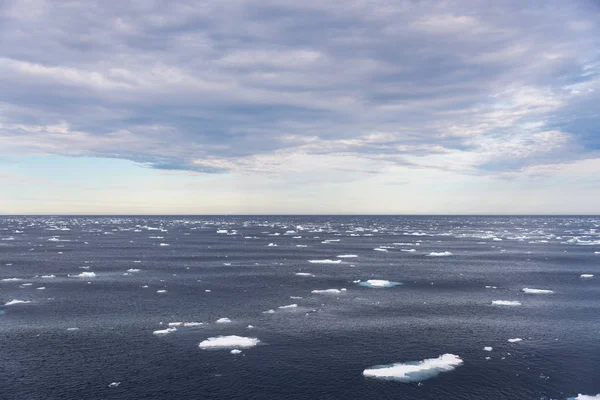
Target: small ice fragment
point(228, 342)
point(439, 254)
point(378, 283)
point(537, 291)
point(164, 331)
point(41, 288)
point(326, 291)
point(506, 303)
point(327, 261)
point(161, 291)
point(133, 270)
point(223, 321)
point(271, 311)
point(415, 371)
point(72, 329)
point(347, 256)
point(587, 276)
point(235, 351)
point(175, 323)
point(488, 348)
point(304, 274)
point(288, 306)
point(48, 276)
point(380, 249)
point(15, 301)
point(515, 340)
point(114, 384)
point(250, 327)
point(85, 275)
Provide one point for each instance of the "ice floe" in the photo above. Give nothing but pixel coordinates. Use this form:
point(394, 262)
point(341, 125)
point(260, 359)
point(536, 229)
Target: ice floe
point(161, 291)
point(164, 331)
point(15, 301)
point(515, 340)
point(537, 291)
point(235, 351)
point(378, 283)
point(114, 384)
point(228, 342)
point(84, 275)
point(223, 321)
point(48, 276)
point(584, 276)
point(585, 397)
point(327, 291)
point(11, 279)
point(304, 274)
point(415, 371)
point(506, 303)
point(347, 256)
point(488, 348)
point(133, 270)
point(380, 249)
point(326, 261)
point(288, 306)
point(439, 254)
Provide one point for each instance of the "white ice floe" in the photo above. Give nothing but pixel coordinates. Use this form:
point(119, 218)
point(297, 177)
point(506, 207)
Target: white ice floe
point(304, 274)
point(84, 275)
point(415, 371)
point(271, 245)
point(378, 283)
point(327, 261)
point(488, 348)
point(11, 279)
point(288, 306)
point(223, 321)
point(235, 351)
point(585, 397)
point(114, 384)
point(515, 340)
point(439, 254)
point(271, 311)
point(380, 249)
point(228, 342)
point(72, 329)
point(189, 324)
point(408, 250)
point(48, 276)
point(506, 303)
point(301, 245)
point(327, 291)
point(41, 288)
point(584, 276)
point(164, 244)
point(537, 291)
point(164, 331)
point(347, 256)
point(250, 327)
point(161, 291)
point(13, 302)
point(222, 231)
point(175, 323)
point(133, 270)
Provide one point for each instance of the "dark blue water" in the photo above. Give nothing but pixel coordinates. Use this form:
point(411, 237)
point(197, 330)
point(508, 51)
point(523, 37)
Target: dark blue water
point(319, 349)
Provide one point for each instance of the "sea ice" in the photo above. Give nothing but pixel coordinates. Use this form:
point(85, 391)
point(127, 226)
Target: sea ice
point(380, 249)
point(537, 291)
point(379, 283)
point(582, 275)
point(11, 279)
point(439, 254)
point(164, 331)
point(133, 270)
point(235, 351)
point(327, 291)
point(586, 397)
point(13, 302)
point(223, 321)
point(488, 348)
point(515, 340)
point(347, 256)
point(304, 274)
point(325, 261)
point(161, 291)
point(114, 384)
point(288, 306)
point(48, 276)
point(84, 275)
point(415, 371)
point(506, 303)
point(228, 342)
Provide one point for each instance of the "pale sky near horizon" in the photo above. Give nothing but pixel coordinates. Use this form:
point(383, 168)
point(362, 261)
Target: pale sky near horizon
point(299, 107)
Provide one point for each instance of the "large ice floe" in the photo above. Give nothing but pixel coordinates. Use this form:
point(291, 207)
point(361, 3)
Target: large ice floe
point(378, 283)
point(585, 397)
point(537, 291)
point(327, 261)
point(15, 301)
point(506, 303)
point(439, 254)
point(328, 291)
point(587, 276)
point(228, 342)
point(415, 371)
point(84, 275)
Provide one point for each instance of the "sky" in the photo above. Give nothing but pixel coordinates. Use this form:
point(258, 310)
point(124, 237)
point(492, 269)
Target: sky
point(299, 107)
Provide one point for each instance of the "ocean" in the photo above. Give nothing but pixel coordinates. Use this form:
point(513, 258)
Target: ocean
point(385, 307)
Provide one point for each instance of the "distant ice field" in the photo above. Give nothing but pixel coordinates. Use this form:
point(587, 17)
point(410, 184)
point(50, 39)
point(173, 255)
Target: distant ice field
point(192, 320)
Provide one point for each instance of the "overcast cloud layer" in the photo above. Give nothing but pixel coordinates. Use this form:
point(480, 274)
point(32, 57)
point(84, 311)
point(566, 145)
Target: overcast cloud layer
point(507, 90)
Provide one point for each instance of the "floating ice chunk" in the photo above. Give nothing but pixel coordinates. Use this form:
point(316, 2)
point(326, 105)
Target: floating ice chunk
point(327, 261)
point(41, 288)
point(161, 291)
point(207, 290)
point(288, 306)
point(223, 321)
point(490, 287)
point(415, 371)
point(13, 302)
point(584, 276)
point(408, 250)
point(164, 244)
point(327, 291)
point(48, 276)
point(295, 297)
point(250, 327)
point(72, 329)
point(506, 303)
point(537, 291)
point(515, 340)
point(190, 324)
point(271, 245)
point(235, 351)
point(114, 384)
point(271, 311)
point(84, 275)
point(304, 274)
point(228, 342)
point(439, 254)
point(11, 279)
point(222, 231)
point(301, 245)
point(585, 397)
point(378, 283)
point(133, 270)
point(175, 323)
point(164, 331)
point(380, 249)
point(488, 348)
point(347, 256)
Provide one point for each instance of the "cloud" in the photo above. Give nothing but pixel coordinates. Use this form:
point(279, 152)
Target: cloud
point(281, 87)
